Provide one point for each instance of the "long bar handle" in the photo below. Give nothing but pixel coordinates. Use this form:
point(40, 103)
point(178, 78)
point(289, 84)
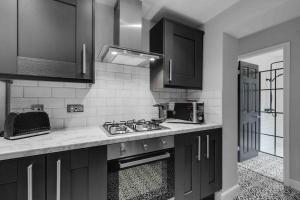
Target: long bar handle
point(207, 146)
point(199, 148)
point(144, 161)
point(83, 59)
point(58, 179)
point(170, 69)
point(29, 182)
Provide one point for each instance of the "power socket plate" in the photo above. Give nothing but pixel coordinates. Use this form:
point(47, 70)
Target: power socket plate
point(72, 108)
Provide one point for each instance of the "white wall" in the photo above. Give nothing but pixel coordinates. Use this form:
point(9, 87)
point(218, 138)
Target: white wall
point(289, 31)
point(230, 110)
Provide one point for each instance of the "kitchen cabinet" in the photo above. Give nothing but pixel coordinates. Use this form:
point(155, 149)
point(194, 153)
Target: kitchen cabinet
point(77, 175)
point(71, 175)
point(187, 167)
point(182, 46)
point(48, 40)
point(198, 164)
point(23, 179)
point(211, 162)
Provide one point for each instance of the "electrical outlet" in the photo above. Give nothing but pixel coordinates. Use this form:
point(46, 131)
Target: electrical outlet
point(37, 107)
point(71, 108)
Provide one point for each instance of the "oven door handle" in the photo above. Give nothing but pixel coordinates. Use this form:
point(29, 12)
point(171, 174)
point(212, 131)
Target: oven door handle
point(144, 161)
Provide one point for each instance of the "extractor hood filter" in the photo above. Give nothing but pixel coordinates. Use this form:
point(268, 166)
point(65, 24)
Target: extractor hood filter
point(125, 56)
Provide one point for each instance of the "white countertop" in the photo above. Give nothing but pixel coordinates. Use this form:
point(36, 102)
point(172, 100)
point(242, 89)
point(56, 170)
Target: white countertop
point(76, 138)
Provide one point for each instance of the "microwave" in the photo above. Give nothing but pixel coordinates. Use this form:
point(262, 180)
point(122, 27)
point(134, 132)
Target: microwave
point(190, 111)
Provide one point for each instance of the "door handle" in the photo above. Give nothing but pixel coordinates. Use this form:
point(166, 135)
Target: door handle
point(170, 69)
point(207, 146)
point(58, 178)
point(199, 148)
point(83, 59)
point(29, 182)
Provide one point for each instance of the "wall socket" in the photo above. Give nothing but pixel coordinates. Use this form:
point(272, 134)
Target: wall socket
point(37, 107)
point(71, 108)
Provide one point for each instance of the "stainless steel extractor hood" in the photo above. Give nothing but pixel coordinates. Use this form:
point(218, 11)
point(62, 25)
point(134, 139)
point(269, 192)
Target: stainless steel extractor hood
point(127, 37)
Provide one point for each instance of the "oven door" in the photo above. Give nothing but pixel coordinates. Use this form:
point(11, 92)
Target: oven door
point(142, 177)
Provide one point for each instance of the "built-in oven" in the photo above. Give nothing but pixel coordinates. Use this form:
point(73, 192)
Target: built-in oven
point(141, 170)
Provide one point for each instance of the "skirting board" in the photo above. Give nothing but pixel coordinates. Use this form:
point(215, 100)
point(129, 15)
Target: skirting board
point(228, 194)
point(294, 184)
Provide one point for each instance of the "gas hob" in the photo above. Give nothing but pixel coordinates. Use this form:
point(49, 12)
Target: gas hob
point(131, 126)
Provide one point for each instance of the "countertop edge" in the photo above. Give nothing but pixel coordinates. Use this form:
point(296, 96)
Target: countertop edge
point(107, 141)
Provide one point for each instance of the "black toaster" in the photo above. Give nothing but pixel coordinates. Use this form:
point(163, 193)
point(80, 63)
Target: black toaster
point(22, 125)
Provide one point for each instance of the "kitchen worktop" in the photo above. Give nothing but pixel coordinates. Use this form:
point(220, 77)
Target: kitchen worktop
point(77, 138)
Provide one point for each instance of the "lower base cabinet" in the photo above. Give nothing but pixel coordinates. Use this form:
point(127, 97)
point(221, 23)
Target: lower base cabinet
point(71, 175)
point(198, 164)
point(23, 179)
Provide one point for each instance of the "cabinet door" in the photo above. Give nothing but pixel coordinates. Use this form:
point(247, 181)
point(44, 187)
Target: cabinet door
point(9, 179)
point(23, 179)
point(51, 38)
point(77, 175)
point(211, 164)
point(187, 168)
point(8, 36)
point(184, 55)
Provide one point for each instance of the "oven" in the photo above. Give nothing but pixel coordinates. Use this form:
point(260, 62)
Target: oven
point(141, 170)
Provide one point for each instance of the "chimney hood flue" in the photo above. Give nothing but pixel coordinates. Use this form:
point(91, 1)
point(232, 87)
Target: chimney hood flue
point(127, 37)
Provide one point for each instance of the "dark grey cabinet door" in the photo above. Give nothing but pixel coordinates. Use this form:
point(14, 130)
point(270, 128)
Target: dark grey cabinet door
point(77, 175)
point(8, 36)
point(52, 36)
point(23, 178)
point(9, 179)
point(182, 64)
point(183, 55)
point(211, 162)
point(32, 178)
point(187, 167)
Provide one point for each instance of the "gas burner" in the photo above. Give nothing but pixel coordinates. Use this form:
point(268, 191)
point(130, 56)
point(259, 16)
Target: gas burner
point(130, 126)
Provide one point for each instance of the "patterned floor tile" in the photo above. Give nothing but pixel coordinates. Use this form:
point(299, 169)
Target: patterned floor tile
point(255, 186)
point(265, 164)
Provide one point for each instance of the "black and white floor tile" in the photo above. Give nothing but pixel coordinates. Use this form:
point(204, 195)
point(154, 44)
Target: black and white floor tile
point(255, 186)
point(266, 165)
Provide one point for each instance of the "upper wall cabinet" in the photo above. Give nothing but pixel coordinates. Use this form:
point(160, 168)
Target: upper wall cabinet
point(47, 40)
point(183, 50)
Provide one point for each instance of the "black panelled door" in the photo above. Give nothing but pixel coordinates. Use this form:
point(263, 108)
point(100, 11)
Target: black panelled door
point(249, 121)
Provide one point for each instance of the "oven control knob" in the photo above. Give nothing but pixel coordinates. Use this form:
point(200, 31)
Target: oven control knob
point(164, 142)
point(145, 147)
point(123, 148)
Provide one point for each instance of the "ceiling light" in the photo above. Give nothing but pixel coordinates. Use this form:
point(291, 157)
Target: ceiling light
point(114, 53)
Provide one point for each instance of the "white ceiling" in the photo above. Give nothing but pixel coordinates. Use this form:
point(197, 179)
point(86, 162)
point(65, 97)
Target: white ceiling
point(199, 10)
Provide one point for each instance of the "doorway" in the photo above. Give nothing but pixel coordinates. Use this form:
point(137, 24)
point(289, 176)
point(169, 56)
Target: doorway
point(270, 154)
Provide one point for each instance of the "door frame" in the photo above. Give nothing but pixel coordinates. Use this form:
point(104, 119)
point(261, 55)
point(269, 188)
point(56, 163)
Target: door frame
point(286, 97)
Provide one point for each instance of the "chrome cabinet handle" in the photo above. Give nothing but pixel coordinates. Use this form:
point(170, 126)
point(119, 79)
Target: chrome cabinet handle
point(199, 148)
point(170, 69)
point(144, 161)
point(83, 59)
point(29, 182)
point(207, 146)
point(58, 178)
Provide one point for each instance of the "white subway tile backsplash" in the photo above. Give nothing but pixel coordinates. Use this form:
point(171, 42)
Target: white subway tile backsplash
point(21, 103)
point(50, 84)
point(25, 83)
point(37, 92)
point(120, 93)
point(63, 92)
point(52, 102)
point(114, 68)
point(17, 91)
